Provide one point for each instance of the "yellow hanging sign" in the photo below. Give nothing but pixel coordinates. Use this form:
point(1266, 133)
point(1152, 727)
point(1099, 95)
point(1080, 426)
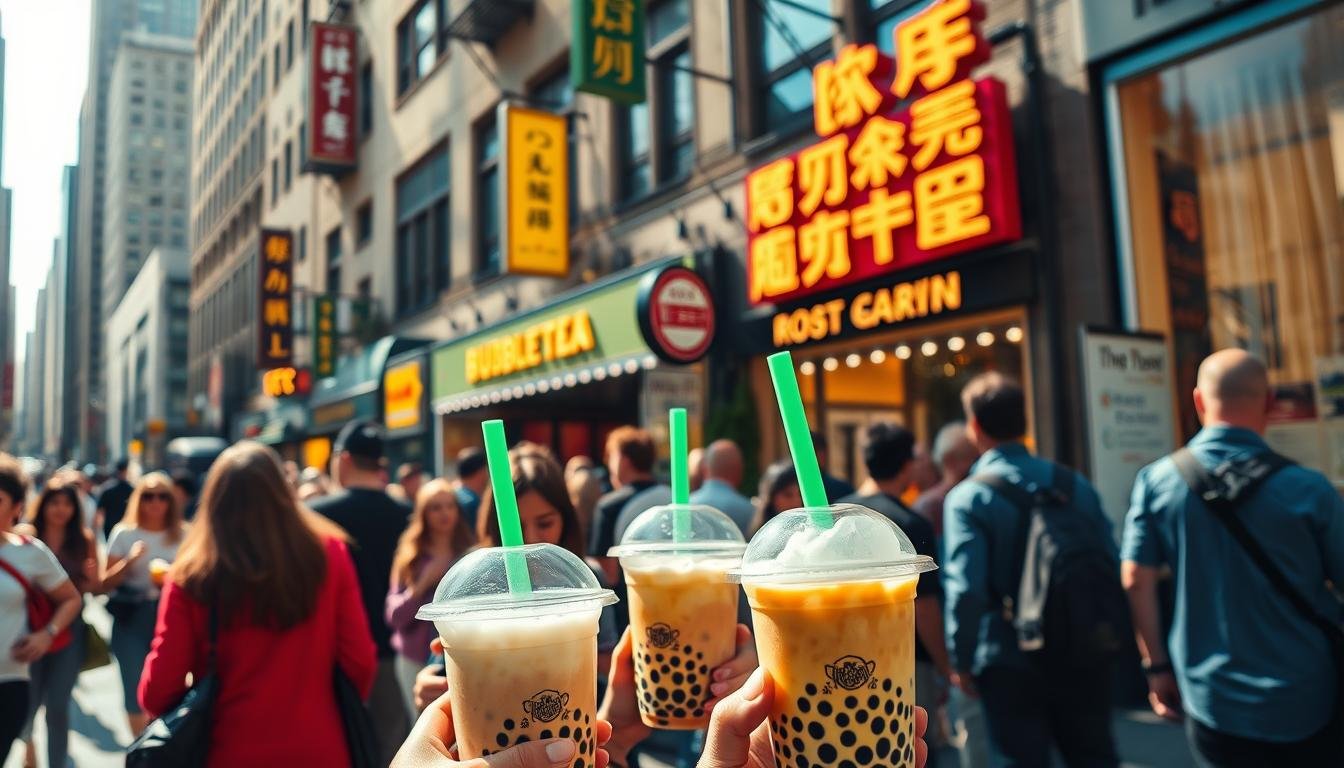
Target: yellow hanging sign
point(536, 191)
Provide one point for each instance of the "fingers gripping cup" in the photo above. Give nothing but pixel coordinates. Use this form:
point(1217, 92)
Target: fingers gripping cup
point(683, 610)
point(520, 667)
point(835, 627)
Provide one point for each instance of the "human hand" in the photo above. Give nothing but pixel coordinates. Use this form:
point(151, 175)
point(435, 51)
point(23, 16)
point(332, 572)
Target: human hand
point(32, 647)
point(1165, 697)
point(430, 745)
point(963, 680)
point(429, 684)
point(732, 674)
point(138, 550)
point(620, 707)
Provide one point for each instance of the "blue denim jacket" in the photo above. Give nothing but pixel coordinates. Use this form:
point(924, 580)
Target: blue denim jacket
point(980, 535)
point(1247, 663)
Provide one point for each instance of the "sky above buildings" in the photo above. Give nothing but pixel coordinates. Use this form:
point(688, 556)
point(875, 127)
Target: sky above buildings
point(46, 65)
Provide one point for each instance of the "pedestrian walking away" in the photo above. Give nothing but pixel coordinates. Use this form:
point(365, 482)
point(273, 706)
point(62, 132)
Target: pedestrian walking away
point(113, 497)
point(722, 468)
point(374, 522)
point(139, 552)
point(1252, 660)
point(286, 599)
point(1032, 699)
point(472, 477)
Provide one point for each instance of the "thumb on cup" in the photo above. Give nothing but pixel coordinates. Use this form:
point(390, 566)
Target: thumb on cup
point(729, 741)
point(534, 754)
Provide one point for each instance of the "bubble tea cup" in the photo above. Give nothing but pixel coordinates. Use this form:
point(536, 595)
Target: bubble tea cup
point(683, 610)
point(833, 607)
point(520, 667)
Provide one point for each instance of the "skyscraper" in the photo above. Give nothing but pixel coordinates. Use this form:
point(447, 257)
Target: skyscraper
point(109, 20)
point(7, 341)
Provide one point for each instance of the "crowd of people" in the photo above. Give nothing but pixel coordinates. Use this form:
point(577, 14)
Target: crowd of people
point(278, 580)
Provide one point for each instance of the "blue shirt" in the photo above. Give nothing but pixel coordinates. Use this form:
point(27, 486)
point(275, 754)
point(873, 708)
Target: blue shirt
point(726, 499)
point(1247, 663)
point(980, 535)
point(468, 504)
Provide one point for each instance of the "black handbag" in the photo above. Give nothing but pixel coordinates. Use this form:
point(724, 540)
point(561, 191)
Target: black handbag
point(180, 738)
point(360, 737)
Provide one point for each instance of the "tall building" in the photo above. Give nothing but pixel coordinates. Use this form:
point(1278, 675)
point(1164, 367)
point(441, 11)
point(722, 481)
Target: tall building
point(69, 302)
point(34, 368)
point(7, 340)
point(109, 21)
point(52, 322)
point(148, 142)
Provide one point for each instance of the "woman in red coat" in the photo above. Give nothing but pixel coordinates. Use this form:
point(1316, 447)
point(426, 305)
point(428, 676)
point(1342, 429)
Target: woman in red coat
point(289, 612)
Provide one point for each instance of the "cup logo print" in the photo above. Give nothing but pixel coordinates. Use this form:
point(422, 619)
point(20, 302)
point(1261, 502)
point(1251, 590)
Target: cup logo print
point(546, 705)
point(851, 672)
point(662, 636)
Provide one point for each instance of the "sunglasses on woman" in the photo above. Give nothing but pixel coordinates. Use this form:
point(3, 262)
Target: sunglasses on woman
point(154, 496)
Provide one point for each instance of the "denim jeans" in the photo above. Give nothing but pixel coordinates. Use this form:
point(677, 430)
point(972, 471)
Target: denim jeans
point(1027, 709)
point(52, 681)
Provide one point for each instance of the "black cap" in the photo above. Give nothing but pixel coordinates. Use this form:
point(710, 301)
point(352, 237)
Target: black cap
point(361, 438)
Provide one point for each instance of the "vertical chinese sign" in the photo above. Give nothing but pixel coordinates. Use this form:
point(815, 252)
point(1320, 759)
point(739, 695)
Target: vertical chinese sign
point(607, 54)
point(275, 343)
point(332, 97)
point(324, 336)
point(915, 163)
point(536, 191)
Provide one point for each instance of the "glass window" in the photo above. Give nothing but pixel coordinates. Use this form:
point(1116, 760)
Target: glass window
point(334, 261)
point(423, 239)
point(557, 93)
point(364, 223)
point(678, 113)
point(886, 14)
point(792, 41)
point(666, 19)
point(638, 175)
point(1234, 161)
point(487, 198)
point(418, 43)
point(366, 99)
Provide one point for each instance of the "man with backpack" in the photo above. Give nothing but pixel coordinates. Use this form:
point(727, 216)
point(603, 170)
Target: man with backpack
point(1253, 654)
point(1033, 600)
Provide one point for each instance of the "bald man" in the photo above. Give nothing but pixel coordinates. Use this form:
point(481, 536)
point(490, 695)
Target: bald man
point(695, 468)
point(1255, 681)
point(723, 474)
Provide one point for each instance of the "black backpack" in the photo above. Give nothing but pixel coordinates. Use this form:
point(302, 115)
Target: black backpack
point(1069, 606)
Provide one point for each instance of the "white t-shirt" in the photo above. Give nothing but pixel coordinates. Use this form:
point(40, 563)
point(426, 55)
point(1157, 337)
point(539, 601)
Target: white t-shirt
point(156, 546)
point(40, 567)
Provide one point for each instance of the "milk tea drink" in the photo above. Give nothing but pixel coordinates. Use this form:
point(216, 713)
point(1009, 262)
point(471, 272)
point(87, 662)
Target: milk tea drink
point(520, 667)
point(835, 627)
point(683, 610)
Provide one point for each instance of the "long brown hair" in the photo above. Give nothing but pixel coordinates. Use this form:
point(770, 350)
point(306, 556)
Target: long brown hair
point(534, 470)
point(156, 482)
point(415, 539)
point(77, 542)
point(253, 545)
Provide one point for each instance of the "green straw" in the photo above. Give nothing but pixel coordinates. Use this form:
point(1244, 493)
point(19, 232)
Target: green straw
point(800, 438)
point(681, 483)
point(506, 507)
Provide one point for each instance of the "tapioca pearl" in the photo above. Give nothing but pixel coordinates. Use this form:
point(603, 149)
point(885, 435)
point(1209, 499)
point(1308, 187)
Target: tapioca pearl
point(841, 719)
point(889, 707)
point(824, 708)
point(900, 739)
point(899, 691)
point(696, 689)
point(861, 716)
point(816, 730)
point(580, 763)
point(827, 754)
point(698, 712)
point(803, 762)
point(663, 721)
point(564, 731)
point(660, 657)
point(874, 702)
point(665, 669)
point(908, 756)
point(648, 696)
point(700, 654)
point(502, 739)
point(879, 726)
point(523, 738)
point(679, 696)
point(545, 734)
point(704, 670)
point(655, 676)
point(678, 678)
point(689, 648)
point(847, 764)
point(663, 694)
point(798, 744)
point(863, 755)
point(883, 747)
point(848, 738)
point(804, 704)
point(811, 689)
point(508, 724)
point(851, 702)
point(797, 724)
point(886, 687)
point(586, 719)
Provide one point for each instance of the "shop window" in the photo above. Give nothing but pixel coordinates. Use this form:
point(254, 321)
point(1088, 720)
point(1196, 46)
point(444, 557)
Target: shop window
point(419, 44)
point(289, 164)
point(365, 100)
point(487, 198)
point(791, 42)
point(424, 238)
point(668, 125)
point(556, 93)
point(334, 261)
point(1234, 161)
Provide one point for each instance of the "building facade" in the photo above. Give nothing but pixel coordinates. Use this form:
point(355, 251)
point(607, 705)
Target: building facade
point(68, 404)
point(109, 21)
point(147, 355)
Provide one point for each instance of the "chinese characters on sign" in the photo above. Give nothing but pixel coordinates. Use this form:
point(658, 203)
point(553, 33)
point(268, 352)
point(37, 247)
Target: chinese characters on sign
point(915, 163)
point(324, 336)
point(607, 56)
point(332, 97)
point(275, 346)
point(536, 192)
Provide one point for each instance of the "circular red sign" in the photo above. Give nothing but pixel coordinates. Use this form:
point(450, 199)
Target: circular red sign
point(679, 316)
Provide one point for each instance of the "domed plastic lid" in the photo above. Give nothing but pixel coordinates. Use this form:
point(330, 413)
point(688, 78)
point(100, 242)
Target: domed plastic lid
point(859, 545)
point(477, 587)
point(707, 532)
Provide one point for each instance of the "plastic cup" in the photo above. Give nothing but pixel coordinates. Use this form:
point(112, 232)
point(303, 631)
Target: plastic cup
point(158, 571)
point(683, 609)
point(835, 628)
point(520, 667)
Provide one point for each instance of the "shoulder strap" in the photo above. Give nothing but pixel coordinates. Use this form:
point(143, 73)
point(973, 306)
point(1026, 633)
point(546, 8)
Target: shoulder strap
point(13, 571)
point(1206, 487)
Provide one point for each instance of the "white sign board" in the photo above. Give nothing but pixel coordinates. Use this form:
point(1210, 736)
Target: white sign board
point(1127, 382)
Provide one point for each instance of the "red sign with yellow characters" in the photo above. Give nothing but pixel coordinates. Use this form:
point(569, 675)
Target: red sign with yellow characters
point(916, 163)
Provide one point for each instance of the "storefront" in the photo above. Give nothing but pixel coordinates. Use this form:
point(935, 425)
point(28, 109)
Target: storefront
point(1226, 148)
point(354, 393)
point(889, 257)
point(565, 374)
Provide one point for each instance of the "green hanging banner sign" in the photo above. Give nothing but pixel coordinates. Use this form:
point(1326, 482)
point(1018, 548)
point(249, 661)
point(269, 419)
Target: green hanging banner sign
point(607, 53)
point(324, 336)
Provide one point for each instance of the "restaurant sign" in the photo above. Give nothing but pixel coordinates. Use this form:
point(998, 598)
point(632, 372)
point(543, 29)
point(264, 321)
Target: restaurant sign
point(915, 163)
point(404, 395)
point(607, 56)
point(333, 97)
point(324, 336)
point(536, 191)
point(275, 342)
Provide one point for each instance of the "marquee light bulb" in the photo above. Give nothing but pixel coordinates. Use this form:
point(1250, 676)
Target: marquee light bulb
point(1013, 334)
